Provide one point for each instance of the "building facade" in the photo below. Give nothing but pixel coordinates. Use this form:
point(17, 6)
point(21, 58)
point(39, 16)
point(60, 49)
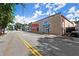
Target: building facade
point(55, 24)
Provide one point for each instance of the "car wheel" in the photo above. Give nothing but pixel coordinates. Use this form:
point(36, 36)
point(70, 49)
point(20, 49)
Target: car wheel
point(74, 35)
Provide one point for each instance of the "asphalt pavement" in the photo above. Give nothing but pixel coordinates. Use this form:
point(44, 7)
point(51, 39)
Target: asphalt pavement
point(19, 43)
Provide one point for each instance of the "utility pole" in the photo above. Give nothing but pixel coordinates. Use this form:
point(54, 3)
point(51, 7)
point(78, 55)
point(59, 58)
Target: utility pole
point(23, 16)
point(75, 19)
point(48, 26)
point(50, 10)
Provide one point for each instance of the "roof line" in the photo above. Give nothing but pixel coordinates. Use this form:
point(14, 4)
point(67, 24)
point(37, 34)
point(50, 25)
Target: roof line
point(48, 17)
point(54, 15)
point(66, 19)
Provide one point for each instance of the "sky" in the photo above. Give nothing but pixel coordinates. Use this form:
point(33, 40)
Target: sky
point(35, 11)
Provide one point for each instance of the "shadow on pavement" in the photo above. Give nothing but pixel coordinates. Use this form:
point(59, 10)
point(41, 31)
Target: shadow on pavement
point(57, 46)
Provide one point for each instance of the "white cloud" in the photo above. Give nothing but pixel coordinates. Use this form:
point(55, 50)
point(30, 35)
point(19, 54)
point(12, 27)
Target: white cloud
point(18, 19)
point(37, 6)
point(55, 6)
point(59, 6)
point(72, 10)
point(37, 14)
point(77, 13)
point(49, 5)
point(73, 13)
point(52, 8)
point(70, 16)
point(50, 13)
point(22, 19)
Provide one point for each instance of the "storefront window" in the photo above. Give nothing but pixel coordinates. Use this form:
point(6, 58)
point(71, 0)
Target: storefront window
point(46, 27)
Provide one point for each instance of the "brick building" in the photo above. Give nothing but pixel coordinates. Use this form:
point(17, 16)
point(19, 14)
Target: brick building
point(55, 24)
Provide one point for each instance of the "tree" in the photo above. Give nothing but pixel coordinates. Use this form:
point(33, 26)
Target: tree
point(18, 26)
point(10, 27)
point(6, 14)
point(24, 27)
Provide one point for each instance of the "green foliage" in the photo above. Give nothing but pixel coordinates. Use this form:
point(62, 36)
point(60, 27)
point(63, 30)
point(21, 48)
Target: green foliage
point(6, 14)
point(10, 27)
point(18, 26)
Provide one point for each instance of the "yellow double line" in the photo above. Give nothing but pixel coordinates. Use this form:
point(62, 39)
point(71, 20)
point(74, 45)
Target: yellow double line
point(30, 47)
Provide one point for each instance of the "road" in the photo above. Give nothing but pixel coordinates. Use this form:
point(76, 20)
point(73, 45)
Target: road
point(13, 44)
point(18, 43)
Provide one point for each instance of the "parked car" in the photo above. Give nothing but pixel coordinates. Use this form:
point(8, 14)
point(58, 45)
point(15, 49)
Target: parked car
point(70, 29)
point(74, 34)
